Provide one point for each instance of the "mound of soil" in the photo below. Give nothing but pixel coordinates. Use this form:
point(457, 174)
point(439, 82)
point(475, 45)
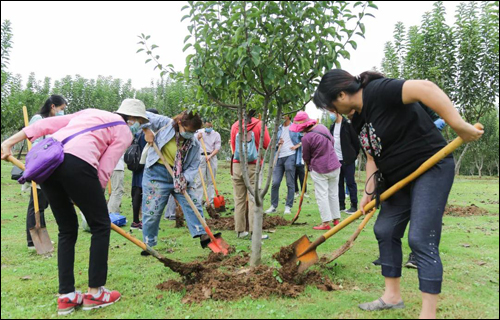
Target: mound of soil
point(227, 223)
point(228, 278)
point(472, 210)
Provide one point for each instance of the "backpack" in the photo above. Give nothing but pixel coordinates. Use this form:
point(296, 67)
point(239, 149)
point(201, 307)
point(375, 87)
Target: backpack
point(251, 148)
point(132, 156)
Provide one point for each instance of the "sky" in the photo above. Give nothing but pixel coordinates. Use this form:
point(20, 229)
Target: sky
point(56, 39)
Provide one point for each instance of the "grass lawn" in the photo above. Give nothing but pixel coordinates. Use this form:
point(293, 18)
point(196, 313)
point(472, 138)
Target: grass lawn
point(469, 250)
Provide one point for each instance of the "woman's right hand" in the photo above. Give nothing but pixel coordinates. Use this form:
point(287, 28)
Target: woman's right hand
point(364, 201)
point(468, 132)
point(149, 136)
point(6, 150)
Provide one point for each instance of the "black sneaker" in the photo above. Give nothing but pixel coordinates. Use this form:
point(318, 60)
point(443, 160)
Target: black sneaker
point(342, 208)
point(351, 211)
point(144, 253)
point(412, 263)
point(377, 262)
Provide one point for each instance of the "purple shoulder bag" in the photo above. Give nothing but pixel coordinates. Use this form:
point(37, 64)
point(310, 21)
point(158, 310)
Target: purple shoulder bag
point(44, 158)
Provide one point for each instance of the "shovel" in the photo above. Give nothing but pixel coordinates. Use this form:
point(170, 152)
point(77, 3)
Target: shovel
point(39, 234)
point(217, 244)
point(305, 251)
point(210, 209)
point(302, 196)
point(219, 202)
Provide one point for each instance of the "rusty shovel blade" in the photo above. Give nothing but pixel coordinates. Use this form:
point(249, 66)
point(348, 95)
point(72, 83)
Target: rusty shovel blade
point(41, 240)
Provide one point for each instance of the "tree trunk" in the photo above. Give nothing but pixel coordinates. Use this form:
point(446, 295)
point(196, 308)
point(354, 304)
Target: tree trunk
point(479, 164)
point(255, 258)
point(459, 161)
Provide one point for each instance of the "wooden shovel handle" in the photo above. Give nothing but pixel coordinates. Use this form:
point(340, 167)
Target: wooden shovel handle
point(203, 185)
point(209, 166)
point(440, 155)
point(33, 183)
point(129, 237)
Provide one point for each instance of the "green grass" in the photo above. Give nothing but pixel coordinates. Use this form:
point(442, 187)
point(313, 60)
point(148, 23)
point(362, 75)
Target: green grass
point(470, 290)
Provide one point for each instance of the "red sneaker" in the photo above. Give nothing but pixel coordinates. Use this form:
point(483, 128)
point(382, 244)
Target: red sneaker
point(322, 227)
point(67, 303)
point(105, 298)
point(336, 222)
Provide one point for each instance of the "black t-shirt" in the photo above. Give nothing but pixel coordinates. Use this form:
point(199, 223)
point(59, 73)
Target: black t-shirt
point(400, 137)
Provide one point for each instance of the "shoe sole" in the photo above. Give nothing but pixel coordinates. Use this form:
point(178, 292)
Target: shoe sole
point(411, 266)
point(66, 312)
point(100, 305)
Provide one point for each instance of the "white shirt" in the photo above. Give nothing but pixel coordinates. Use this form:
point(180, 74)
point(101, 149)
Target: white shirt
point(286, 150)
point(120, 166)
point(336, 138)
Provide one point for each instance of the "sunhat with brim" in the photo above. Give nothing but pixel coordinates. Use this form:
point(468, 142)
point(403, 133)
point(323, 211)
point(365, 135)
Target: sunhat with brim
point(133, 108)
point(301, 121)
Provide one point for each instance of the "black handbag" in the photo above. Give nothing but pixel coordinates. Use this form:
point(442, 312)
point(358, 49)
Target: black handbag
point(16, 173)
point(132, 156)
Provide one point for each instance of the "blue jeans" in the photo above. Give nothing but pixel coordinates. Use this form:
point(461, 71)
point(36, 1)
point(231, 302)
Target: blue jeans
point(157, 186)
point(423, 203)
point(283, 165)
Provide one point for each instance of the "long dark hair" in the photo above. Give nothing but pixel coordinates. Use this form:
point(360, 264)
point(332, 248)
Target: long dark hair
point(188, 120)
point(52, 100)
point(337, 80)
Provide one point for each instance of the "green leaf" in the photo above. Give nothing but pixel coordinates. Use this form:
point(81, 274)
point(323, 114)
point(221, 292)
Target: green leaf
point(186, 72)
point(185, 17)
point(184, 8)
point(187, 38)
point(140, 50)
point(186, 47)
point(362, 27)
point(154, 46)
point(353, 44)
point(148, 60)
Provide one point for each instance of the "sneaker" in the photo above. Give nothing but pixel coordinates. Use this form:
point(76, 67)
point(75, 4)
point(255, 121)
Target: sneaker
point(342, 208)
point(271, 210)
point(144, 253)
point(297, 195)
point(101, 299)
point(136, 226)
point(336, 222)
point(31, 247)
point(264, 237)
point(67, 303)
point(322, 227)
point(351, 211)
point(243, 234)
point(412, 263)
point(306, 195)
point(288, 210)
point(377, 262)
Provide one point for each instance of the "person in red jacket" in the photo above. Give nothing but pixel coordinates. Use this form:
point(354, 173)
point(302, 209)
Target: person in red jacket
point(254, 128)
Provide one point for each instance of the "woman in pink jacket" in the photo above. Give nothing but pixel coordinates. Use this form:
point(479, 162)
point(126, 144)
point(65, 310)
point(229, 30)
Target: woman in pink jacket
point(89, 160)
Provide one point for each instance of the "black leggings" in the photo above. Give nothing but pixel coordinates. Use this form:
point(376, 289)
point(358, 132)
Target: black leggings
point(77, 180)
point(421, 203)
point(136, 202)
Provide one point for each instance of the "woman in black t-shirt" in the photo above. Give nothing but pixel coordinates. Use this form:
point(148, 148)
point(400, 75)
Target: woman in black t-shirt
point(397, 136)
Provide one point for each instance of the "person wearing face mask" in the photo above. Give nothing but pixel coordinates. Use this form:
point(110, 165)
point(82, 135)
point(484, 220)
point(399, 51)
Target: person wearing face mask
point(175, 137)
point(212, 141)
point(347, 150)
point(398, 136)
point(289, 156)
point(54, 106)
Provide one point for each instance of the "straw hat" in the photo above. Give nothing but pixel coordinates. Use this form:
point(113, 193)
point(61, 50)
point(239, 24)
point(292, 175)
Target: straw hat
point(133, 108)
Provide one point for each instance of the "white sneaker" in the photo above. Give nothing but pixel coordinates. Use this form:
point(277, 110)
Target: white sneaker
point(306, 195)
point(288, 210)
point(242, 234)
point(297, 195)
point(271, 210)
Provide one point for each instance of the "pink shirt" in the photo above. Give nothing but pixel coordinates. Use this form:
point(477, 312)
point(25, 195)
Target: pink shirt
point(101, 148)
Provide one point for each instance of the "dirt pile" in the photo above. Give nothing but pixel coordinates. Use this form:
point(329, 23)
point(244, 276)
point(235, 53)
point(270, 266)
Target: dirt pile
point(458, 211)
point(229, 278)
point(227, 223)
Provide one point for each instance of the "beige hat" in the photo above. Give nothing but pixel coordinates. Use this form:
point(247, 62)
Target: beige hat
point(133, 108)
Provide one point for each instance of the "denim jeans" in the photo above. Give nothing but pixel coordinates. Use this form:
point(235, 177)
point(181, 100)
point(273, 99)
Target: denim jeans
point(300, 173)
point(423, 203)
point(157, 186)
point(283, 165)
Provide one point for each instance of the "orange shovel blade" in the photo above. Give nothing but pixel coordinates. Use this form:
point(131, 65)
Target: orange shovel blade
point(308, 259)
